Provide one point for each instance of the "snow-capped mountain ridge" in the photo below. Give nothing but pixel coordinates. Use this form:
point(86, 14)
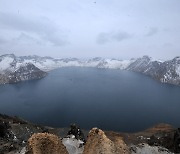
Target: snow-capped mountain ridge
point(14, 69)
point(47, 63)
point(26, 71)
point(164, 71)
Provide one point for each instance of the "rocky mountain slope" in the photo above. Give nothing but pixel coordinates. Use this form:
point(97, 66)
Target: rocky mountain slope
point(166, 72)
point(26, 72)
point(18, 136)
point(12, 71)
point(163, 71)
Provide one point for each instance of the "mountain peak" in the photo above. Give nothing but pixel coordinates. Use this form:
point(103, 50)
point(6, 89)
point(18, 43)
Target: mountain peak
point(177, 58)
point(8, 55)
point(147, 57)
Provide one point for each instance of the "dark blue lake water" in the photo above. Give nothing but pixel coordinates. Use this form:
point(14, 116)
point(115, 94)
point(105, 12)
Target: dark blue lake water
point(108, 99)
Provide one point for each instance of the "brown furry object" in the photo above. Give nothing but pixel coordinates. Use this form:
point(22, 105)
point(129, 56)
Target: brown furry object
point(99, 143)
point(45, 143)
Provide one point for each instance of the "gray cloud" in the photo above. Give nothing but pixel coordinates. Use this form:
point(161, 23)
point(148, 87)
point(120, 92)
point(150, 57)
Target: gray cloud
point(26, 39)
point(44, 28)
point(152, 31)
point(2, 41)
point(104, 38)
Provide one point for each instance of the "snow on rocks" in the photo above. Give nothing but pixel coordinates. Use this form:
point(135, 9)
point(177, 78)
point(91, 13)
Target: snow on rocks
point(147, 149)
point(73, 145)
point(178, 70)
point(164, 71)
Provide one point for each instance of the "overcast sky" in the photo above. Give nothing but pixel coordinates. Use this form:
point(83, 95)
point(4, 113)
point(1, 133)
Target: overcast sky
point(90, 28)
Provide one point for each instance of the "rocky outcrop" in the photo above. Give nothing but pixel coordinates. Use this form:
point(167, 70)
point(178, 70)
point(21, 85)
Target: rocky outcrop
point(169, 140)
point(76, 131)
point(15, 133)
point(99, 143)
point(177, 141)
point(44, 143)
point(3, 129)
point(73, 145)
point(147, 149)
point(75, 140)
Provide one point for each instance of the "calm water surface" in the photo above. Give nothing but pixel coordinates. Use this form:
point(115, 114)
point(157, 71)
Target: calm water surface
point(108, 99)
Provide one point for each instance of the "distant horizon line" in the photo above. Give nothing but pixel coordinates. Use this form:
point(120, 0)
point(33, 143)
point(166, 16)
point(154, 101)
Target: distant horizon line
point(31, 55)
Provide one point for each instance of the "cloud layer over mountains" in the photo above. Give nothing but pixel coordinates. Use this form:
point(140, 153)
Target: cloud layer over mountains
point(83, 29)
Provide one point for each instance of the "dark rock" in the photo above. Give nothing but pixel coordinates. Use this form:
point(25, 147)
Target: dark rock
point(177, 141)
point(76, 131)
point(3, 129)
point(169, 140)
point(45, 130)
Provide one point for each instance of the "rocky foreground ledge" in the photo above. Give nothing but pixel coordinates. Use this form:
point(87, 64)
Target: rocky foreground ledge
point(20, 136)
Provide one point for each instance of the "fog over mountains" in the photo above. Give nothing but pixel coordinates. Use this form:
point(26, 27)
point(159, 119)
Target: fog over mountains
point(14, 69)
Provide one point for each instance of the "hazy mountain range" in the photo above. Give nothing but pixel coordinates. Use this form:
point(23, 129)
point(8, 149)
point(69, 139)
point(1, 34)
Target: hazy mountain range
point(14, 69)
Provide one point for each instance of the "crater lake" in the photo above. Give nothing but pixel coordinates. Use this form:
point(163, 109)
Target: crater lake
point(90, 97)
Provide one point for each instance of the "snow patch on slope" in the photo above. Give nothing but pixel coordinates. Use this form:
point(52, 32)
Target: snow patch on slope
point(118, 64)
point(178, 70)
point(146, 149)
point(5, 63)
point(45, 65)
